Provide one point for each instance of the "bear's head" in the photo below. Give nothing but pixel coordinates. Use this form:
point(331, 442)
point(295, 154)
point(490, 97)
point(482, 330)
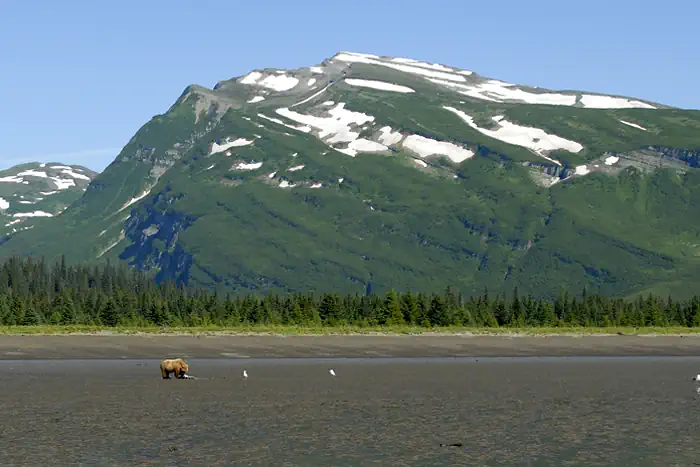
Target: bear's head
point(185, 366)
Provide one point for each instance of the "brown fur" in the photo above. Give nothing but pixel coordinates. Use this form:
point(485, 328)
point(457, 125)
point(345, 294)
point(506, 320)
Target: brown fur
point(177, 366)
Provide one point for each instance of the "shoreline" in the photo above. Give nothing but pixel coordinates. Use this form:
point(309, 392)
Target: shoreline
point(220, 346)
point(384, 331)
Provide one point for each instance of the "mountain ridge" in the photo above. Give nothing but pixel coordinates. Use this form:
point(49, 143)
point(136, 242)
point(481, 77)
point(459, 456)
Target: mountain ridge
point(38, 190)
point(324, 177)
point(355, 57)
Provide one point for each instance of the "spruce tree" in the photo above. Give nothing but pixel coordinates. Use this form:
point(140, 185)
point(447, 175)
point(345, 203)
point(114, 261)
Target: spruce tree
point(17, 310)
point(31, 317)
point(392, 309)
point(296, 317)
point(109, 314)
point(436, 310)
point(4, 310)
point(329, 310)
point(409, 308)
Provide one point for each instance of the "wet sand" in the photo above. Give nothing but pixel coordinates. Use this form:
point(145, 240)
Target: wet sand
point(388, 412)
point(221, 346)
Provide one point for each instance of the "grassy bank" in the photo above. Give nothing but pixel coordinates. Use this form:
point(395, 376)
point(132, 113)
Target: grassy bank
point(342, 330)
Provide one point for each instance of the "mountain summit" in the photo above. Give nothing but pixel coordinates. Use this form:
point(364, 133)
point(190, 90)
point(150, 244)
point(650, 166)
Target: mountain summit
point(35, 190)
point(365, 172)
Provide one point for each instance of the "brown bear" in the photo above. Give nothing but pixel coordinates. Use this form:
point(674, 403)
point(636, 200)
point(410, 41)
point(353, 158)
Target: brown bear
point(177, 366)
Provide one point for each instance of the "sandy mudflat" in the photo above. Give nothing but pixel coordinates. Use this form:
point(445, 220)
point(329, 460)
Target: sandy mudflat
point(377, 412)
point(157, 346)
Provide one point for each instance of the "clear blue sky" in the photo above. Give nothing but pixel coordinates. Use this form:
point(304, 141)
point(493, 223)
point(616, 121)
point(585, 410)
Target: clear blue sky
point(78, 78)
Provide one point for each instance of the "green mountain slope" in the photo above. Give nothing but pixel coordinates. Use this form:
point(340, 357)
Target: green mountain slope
point(31, 193)
point(365, 173)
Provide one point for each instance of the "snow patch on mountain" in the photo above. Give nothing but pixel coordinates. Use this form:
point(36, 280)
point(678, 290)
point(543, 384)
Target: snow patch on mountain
point(388, 137)
point(634, 125)
point(471, 91)
point(502, 90)
point(310, 97)
point(426, 147)
point(278, 82)
point(381, 85)
point(135, 199)
point(582, 170)
point(13, 179)
point(251, 78)
point(216, 148)
point(336, 126)
point(433, 66)
point(350, 57)
point(33, 173)
point(303, 129)
point(62, 184)
point(73, 174)
point(122, 236)
point(529, 137)
point(32, 214)
point(348, 151)
point(499, 91)
point(609, 102)
point(362, 145)
point(248, 166)
point(256, 99)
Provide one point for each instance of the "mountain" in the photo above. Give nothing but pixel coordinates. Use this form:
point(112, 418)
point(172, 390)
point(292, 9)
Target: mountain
point(34, 191)
point(364, 173)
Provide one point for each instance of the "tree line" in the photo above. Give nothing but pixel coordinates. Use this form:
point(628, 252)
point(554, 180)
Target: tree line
point(33, 292)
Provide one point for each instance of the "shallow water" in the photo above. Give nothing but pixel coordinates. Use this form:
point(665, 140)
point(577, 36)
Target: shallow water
point(394, 412)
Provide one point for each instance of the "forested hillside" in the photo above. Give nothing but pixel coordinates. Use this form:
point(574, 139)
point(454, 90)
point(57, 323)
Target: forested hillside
point(35, 293)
